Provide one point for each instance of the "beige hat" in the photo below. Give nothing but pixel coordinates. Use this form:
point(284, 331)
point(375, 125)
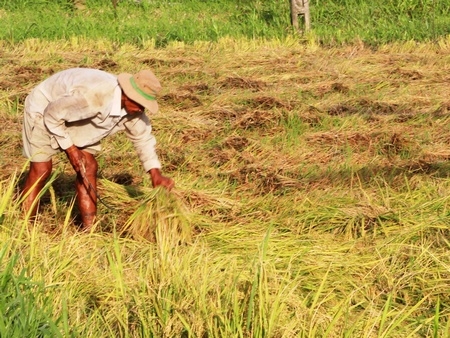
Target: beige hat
point(141, 87)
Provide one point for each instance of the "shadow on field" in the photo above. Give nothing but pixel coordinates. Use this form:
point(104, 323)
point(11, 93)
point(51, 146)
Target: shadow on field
point(56, 201)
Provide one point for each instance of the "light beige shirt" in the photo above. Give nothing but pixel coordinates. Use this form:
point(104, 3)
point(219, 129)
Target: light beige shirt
point(81, 106)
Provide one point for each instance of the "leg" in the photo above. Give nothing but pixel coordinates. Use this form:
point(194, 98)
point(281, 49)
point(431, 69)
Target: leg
point(38, 174)
point(86, 187)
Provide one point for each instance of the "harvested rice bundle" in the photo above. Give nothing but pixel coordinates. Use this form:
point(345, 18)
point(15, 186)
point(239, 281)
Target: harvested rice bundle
point(160, 217)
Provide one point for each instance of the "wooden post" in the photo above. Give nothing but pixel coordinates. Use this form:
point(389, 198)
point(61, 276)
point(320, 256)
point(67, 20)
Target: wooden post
point(300, 8)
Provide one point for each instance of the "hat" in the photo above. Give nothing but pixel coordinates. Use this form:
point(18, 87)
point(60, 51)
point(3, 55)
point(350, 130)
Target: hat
point(141, 87)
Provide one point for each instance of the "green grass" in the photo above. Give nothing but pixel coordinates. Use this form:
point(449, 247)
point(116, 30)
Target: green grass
point(26, 305)
point(333, 22)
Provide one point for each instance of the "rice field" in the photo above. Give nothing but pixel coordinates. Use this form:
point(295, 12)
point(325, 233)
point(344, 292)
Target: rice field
point(311, 197)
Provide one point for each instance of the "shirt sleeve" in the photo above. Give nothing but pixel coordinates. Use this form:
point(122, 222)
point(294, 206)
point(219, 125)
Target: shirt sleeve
point(66, 109)
point(139, 132)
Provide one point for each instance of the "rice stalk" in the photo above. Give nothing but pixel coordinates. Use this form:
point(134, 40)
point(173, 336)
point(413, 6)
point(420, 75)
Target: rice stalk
point(6, 196)
point(436, 318)
point(160, 217)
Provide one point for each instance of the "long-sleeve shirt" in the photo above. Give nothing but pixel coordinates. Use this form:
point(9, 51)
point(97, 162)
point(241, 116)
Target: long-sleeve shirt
point(81, 106)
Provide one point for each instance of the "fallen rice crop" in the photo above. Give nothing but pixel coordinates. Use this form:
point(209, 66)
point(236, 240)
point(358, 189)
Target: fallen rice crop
point(311, 196)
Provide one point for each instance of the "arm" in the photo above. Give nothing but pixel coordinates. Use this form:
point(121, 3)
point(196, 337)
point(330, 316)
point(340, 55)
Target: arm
point(76, 158)
point(139, 131)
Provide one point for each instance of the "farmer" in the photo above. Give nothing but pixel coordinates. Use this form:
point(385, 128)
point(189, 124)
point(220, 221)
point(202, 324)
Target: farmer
point(72, 111)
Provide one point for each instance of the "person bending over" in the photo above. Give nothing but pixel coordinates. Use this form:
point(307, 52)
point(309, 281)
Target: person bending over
point(72, 111)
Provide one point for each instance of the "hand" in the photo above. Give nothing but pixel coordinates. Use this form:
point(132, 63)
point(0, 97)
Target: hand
point(158, 180)
point(76, 158)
